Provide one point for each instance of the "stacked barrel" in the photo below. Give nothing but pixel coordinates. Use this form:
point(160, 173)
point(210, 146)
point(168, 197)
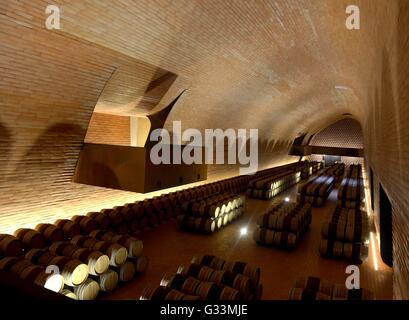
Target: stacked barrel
point(345, 234)
point(269, 187)
point(311, 168)
point(313, 288)
point(65, 259)
point(210, 213)
point(209, 278)
point(283, 225)
point(336, 170)
point(351, 191)
point(317, 189)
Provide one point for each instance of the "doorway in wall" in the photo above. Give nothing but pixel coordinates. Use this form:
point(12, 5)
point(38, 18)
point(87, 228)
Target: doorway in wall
point(385, 223)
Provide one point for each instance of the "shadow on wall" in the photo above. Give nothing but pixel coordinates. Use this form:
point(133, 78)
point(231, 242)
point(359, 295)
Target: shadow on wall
point(5, 149)
point(49, 154)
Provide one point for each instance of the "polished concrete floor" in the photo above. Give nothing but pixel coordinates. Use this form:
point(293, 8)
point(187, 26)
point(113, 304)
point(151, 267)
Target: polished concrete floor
point(167, 248)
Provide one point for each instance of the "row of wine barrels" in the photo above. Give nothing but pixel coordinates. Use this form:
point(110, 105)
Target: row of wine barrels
point(292, 222)
point(70, 228)
point(10, 246)
point(315, 284)
point(117, 254)
point(161, 293)
point(132, 244)
point(347, 250)
point(205, 290)
point(199, 224)
point(344, 232)
point(275, 238)
point(50, 232)
point(32, 273)
point(207, 225)
point(74, 271)
point(86, 224)
point(30, 238)
point(101, 219)
point(307, 295)
point(239, 267)
point(97, 262)
point(227, 278)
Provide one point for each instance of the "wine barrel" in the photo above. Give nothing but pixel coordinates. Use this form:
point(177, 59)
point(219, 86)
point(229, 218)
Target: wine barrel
point(231, 279)
point(30, 238)
point(205, 290)
point(108, 281)
point(102, 220)
point(132, 244)
point(141, 263)
point(87, 224)
point(314, 284)
point(126, 271)
point(117, 254)
point(70, 228)
point(342, 293)
point(162, 293)
point(88, 290)
point(102, 235)
point(73, 271)
point(10, 246)
point(355, 251)
point(50, 232)
point(239, 267)
point(97, 262)
point(63, 248)
point(38, 276)
point(68, 294)
point(307, 295)
point(53, 281)
point(84, 241)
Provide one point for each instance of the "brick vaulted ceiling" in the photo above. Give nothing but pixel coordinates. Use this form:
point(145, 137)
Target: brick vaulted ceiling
point(271, 65)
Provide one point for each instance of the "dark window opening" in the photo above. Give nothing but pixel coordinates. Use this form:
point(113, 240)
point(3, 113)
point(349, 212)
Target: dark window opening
point(385, 223)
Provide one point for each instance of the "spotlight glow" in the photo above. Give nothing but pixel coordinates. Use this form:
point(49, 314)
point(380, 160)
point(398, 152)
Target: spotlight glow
point(287, 199)
point(243, 231)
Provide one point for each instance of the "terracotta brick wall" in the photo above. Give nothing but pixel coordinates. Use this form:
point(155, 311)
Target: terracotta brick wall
point(386, 136)
point(109, 129)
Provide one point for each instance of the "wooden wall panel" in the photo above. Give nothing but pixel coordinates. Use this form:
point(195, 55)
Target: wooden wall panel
point(109, 129)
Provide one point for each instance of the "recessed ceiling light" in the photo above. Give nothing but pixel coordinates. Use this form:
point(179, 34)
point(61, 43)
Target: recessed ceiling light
point(243, 231)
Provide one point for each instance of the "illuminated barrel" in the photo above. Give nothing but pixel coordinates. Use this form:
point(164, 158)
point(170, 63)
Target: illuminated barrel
point(126, 271)
point(132, 244)
point(88, 290)
point(101, 219)
point(68, 294)
point(97, 262)
point(117, 254)
point(108, 281)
